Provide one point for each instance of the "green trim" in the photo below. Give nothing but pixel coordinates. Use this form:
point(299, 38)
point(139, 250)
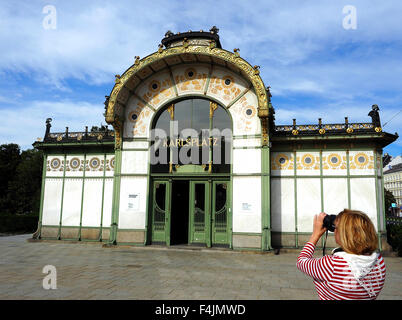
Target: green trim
point(42, 194)
point(135, 149)
point(295, 193)
point(377, 197)
point(265, 200)
point(62, 195)
point(82, 196)
point(245, 136)
point(210, 70)
point(103, 197)
point(348, 178)
point(247, 233)
point(116, 197)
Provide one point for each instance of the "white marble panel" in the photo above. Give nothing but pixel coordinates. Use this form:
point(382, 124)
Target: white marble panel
point(55, 166)
point(308, 203)
point(335, 192)
point(283, 204)
point(190, 78)
point(133, 201)
point(308, 163)
point(245, 116)
point(246, 160)
point(138, 119)
point(247, 204)
point(52, 202)
point(135, 145)
point(225, 85)
point(134, 162)
point(94, 165)
point(75, 166)
point(110, 164)
point(361, 162)
point(72, 202)
point(334, 163)
point(92, 206)
point(107, 203)
point(282, 163)
point(246, 143)
point(363, 197)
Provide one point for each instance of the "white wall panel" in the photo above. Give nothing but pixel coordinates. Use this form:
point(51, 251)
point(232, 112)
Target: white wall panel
point(55, 166)
point(247, 204)
point(363, 197)
point(107, 203)
point(282, 204)
point(134, 162)
point(308, 203)
point(246, 160)
point(335, 192)
point(133, 200)
point(52, 202)
point(308, 163)
point(282, 163)
point(334, 163)
point(72, 202)
point(92, 206)
point(361, 162)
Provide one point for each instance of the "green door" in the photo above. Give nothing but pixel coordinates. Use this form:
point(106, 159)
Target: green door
point(199, 231)
point(220, 212)
point(160, 212)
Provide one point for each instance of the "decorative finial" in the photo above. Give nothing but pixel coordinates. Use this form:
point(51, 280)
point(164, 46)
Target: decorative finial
point(137, 60)
point(169, 34)
point(214, 30)
point(160, 48)
point(236, 51)
point(256, 69)
point(117, 80)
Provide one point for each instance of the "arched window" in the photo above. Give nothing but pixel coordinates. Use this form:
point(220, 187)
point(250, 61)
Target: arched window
point(191, 132)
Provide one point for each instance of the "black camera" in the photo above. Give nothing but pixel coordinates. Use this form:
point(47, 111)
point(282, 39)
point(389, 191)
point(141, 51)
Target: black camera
point(329, 222)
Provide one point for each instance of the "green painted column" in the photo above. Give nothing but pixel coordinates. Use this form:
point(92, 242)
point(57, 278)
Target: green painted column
point(116, 196)
point(265, 198)
point(37, 234)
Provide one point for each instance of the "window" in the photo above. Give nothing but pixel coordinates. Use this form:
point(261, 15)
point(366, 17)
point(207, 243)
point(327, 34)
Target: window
point(193, 131)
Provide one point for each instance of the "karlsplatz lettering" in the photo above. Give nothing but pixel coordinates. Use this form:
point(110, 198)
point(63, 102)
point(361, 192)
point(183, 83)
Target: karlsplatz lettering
point(166, 310)
point(191, 142)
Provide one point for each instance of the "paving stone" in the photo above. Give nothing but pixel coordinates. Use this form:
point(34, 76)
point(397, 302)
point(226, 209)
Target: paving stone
point(88, 271)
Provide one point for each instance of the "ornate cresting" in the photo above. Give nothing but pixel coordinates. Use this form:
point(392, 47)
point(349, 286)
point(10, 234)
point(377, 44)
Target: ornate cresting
point(251, 73)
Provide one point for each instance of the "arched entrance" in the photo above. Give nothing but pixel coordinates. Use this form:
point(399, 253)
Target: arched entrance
point(190, 165)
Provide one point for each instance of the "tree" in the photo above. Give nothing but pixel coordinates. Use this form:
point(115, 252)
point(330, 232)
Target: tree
point(25, 188)
point(389, 199)
point(9, 159)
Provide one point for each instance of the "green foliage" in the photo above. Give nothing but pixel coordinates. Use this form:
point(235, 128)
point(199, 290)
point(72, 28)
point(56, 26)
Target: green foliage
point(20, 180)
point(394, 235)
point(388, 198)
point(10, 223)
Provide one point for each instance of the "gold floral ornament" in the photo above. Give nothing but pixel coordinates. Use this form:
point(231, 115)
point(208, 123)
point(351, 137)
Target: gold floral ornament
point(321, 131)
point(378, 129)
point(349, 130)
point(250, 73)
point(295, 132)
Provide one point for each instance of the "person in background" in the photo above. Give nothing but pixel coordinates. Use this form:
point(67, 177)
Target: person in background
point(356, 270)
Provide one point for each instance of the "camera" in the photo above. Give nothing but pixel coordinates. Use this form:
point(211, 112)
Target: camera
point(329, 222)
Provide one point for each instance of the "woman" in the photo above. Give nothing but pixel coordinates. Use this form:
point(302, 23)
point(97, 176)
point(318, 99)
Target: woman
point(357, 271)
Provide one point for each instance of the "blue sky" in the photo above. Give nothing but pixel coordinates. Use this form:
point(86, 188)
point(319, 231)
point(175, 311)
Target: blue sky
point(316, 68)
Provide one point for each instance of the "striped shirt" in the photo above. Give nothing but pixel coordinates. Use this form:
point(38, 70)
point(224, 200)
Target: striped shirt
point(334, 280)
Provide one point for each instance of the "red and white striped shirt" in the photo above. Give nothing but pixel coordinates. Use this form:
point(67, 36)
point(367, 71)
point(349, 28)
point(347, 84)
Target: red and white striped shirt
point(333, 277)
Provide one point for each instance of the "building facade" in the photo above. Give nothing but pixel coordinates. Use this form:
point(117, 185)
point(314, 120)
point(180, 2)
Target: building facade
point(393, 180)
point(195, 157)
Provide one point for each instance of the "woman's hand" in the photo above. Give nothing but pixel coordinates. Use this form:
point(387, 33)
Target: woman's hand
point(318, 229)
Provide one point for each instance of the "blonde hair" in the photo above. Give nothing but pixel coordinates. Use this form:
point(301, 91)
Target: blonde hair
point(356, 232)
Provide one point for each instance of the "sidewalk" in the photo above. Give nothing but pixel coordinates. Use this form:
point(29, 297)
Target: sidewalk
point(89, 271)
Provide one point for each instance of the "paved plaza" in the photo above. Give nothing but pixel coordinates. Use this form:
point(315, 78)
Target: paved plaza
point(89, 271)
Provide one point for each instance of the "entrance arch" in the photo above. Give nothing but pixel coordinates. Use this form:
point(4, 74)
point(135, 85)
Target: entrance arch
point(191, 187)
